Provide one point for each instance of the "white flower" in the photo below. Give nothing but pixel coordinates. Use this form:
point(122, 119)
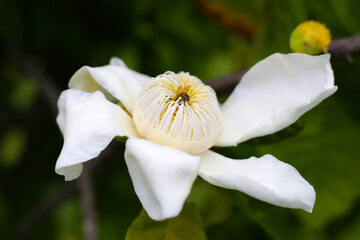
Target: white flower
point(172, 120)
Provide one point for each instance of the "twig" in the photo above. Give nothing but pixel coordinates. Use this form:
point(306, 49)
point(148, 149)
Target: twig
point(238, 23)
point(34, 217)
point(51, 93)
point(33, 70)
point(345, 49)
point(87, 197)
point(225, 84)
point(342, 49)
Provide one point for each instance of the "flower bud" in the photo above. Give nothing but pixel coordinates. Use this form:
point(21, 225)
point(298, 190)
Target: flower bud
point(310, 37)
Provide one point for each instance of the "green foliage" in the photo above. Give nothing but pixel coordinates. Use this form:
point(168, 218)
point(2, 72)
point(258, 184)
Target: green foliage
point(279, 223)
point(187, 225)
point(68, 220)
point(325, 153)
point(153, 37)
point(12, 147)
point(214, 207)
point(327, 163)
point(24, 92)
point(342, 10)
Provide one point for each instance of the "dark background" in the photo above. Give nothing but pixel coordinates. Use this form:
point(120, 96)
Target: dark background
point(42, 43)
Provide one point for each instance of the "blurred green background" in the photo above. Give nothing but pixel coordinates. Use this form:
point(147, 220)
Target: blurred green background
point(42, 43)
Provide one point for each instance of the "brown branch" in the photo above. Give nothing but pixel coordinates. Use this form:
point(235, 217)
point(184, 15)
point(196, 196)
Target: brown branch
point(238, 23)
point(342, 49)
point(227, 83)
point(87, 197)
point(50, 94)
point(42, 210)
point(345, 49)
point(29, 67)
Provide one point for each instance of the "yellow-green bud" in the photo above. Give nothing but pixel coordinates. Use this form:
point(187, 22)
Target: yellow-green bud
point(310, 37)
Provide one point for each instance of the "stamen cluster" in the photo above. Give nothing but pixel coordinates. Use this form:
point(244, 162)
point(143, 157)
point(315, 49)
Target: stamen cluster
point(178, 110)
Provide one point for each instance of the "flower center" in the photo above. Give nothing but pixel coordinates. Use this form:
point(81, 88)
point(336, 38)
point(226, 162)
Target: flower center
point(179, 111)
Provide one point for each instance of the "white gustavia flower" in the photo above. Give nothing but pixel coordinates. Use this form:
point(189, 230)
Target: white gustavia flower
point(172, 120)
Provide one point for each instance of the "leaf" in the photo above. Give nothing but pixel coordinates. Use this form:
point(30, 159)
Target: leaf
point(188, 225)
point(279, 223)
point(326, 154)
point(214, 206)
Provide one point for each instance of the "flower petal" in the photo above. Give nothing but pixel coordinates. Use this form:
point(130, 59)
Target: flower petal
point(116, 79)
point(88, 122)
point(162, 176)
point(274, 94)
point(265, 178)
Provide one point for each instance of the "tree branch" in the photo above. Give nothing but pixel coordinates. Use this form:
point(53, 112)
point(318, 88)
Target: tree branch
point(345, 49)
point(34, 71)
point(227, 83)
point(87, 197)
point(342, 49)
point(236, 22)
point(83, 185)
point(51, 94)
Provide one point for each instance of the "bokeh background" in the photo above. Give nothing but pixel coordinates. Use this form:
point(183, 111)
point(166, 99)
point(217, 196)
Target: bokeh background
point(42, 43)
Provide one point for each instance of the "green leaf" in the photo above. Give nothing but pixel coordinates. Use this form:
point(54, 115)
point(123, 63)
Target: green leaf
point(214, 206)
point(188, 225)
point(279, 223)
point(326, 154)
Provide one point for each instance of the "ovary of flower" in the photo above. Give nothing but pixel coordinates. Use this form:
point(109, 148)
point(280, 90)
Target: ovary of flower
point(172, 120)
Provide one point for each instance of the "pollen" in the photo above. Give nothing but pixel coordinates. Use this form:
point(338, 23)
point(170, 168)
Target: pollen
point(179, 111)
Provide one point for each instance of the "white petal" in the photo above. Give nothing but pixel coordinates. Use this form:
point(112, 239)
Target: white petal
point(274, 94)
point(88, 122)
point(117, 79)
point(265, 178)
point(162, 176)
